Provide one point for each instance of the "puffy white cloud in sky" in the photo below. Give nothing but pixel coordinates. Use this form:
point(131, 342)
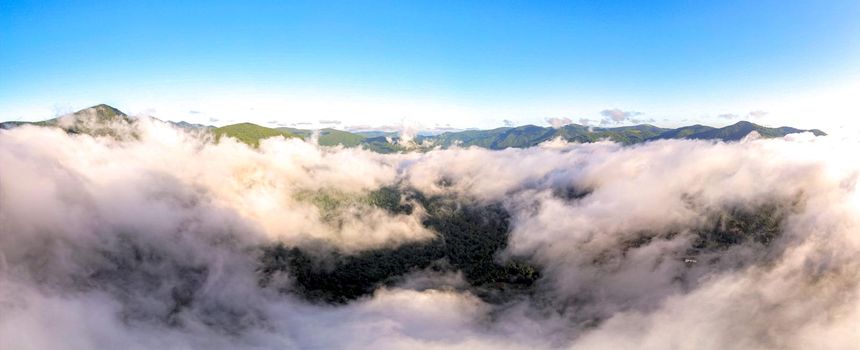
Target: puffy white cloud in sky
point(558, 122)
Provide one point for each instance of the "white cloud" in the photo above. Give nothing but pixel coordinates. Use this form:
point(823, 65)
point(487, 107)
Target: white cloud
point(558, 122)
point(757, 114)
point(101, 238)
point(617, 116)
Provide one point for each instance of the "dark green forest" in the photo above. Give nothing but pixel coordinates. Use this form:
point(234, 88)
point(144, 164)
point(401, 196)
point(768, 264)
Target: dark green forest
point(470, 237)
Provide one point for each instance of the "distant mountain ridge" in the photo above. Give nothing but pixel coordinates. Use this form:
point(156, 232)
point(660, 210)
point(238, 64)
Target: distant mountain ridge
point(531, 135)
point(98, 120)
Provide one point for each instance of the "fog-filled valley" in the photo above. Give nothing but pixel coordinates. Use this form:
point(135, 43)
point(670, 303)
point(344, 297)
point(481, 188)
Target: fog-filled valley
point(150, 235)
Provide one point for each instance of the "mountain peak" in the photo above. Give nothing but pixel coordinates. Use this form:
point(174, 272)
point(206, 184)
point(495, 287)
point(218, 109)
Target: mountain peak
point(745, 123)
point(101, 110)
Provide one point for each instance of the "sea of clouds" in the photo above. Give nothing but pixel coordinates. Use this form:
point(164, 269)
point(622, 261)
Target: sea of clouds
point(150, 240)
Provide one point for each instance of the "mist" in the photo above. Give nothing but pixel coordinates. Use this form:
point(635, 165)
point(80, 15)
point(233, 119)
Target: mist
point(155, 238)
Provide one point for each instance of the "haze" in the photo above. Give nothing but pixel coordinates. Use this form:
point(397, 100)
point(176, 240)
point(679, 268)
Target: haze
point(430, 175)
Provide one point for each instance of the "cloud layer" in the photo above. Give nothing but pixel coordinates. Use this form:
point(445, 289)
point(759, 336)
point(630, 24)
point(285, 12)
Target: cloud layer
point(153, 241)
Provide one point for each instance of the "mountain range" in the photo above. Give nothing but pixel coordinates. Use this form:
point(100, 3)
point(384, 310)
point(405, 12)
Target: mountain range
point(98, 120)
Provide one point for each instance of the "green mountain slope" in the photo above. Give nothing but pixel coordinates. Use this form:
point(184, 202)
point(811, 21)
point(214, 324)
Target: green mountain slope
point(627, 135)
point(249, 133)
point(103, 120)
point(531, 135)
point(521, 136)
point(303, 133)
point(12, 124)
point(190, 126)
point(732, 132)
point(372, 133)
point(99, 120)
point(329, 137)
point(333, 137)
point(683, 132)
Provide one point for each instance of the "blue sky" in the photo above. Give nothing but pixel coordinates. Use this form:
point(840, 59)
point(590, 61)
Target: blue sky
point(435, 64)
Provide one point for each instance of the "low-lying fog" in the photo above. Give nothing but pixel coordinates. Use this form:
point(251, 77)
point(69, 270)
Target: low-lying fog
point(164, 239)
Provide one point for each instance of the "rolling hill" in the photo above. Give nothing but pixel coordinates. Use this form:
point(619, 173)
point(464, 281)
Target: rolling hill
point(740, 129)
point(329, 137)
point(250, 133)
point(98, 120)
point(531, 135)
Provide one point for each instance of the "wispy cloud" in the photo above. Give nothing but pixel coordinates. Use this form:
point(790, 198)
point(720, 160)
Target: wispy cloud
point(617, 116)
point(558, 122)
point(200, 233)
point(758, 114)
point(631, 262)
point(752, 115)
